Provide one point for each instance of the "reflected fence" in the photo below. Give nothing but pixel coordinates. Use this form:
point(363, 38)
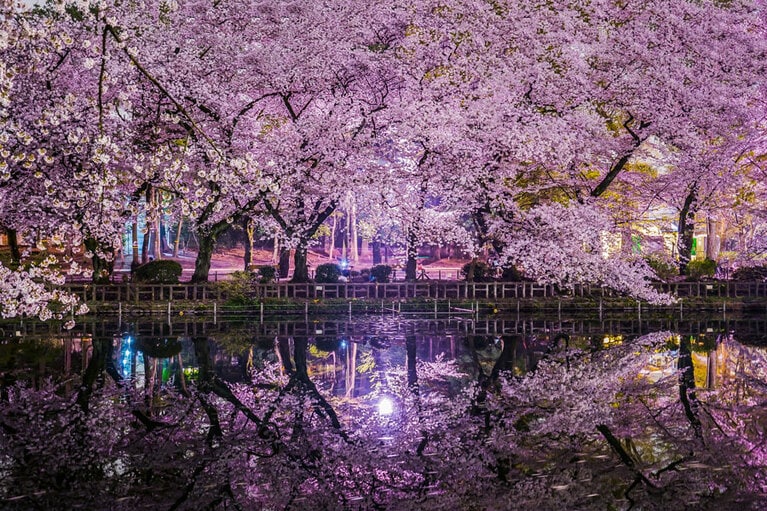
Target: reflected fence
point(750, 329)
point(434, 290)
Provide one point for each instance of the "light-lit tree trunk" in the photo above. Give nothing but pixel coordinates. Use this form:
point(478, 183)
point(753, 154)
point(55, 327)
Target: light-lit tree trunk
point(250, 230)
point(331, 252)
point(157, 226)
point(712, 239)
point(276, 250)
point(177, 241)
point(134, 245)
point(355, 254)
point(157, 240)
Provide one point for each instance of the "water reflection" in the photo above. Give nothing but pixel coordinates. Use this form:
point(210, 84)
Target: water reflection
point(382, 413)
point(344, 357)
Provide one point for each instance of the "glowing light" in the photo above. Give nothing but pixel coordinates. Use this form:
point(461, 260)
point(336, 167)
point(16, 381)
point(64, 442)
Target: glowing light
point(385, 406)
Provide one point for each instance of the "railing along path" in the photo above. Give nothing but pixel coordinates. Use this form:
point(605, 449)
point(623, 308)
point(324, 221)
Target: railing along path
point(438, 290)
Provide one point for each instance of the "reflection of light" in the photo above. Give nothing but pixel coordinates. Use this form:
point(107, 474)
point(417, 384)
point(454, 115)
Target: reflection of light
point(344, 264)
point(343, 344)
point(612, 340)
point(385, 406)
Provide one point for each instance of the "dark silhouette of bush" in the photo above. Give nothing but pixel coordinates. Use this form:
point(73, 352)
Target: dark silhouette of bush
point(381, 273)
point(266, 274)
point(511, 274)
point(750, 273)
point(163, 271)
point(327, 273)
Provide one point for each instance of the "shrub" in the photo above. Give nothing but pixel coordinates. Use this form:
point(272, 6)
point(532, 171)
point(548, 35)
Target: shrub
point(511, 274)
point(701, 268)
point(266, 274)
point(482, 272)
point(238, 288)
point(163, 271)
point(750, 273)
point(327, 273)
point(663, 268)
point(381, 273)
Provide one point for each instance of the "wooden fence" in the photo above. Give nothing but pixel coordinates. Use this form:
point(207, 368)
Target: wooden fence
point(490, 291)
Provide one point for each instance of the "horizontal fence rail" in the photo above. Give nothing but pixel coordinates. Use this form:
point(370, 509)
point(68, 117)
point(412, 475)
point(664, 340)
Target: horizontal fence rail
point(438, 290)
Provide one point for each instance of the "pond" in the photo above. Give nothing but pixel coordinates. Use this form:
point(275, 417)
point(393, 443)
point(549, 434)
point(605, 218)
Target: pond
point(384, 412)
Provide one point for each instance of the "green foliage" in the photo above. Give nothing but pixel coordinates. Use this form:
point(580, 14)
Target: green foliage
point(381, 273)
point(266, 274)
point(482, 272)
point(750, 273)
point(663, 268)
point(238, 287)
point(163, 271)
point(699, 269)
point(327, 273)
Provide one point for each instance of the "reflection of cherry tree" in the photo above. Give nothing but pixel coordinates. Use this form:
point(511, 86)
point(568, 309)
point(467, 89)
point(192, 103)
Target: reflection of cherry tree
point(585, 429)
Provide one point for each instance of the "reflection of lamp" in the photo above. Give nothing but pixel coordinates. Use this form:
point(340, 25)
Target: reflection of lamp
point(385, 406)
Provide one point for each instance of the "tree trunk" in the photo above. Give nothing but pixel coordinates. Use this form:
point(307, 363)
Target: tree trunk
point(250, 230)
point(687, 386)
point(13, 243)
point(134, 247)
point(412, 255)
point(276, 251)
point(376, 252)
point(177, 241)
point(284, 262)
point(157, 245)
point(686, 229)
point(301, 268)
point(102, 268)
point(207, 242)
point(145, 246)
point(353, 239)
point(164, 241)
point(333, 239)
point(712, 239)
point(470, 273)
